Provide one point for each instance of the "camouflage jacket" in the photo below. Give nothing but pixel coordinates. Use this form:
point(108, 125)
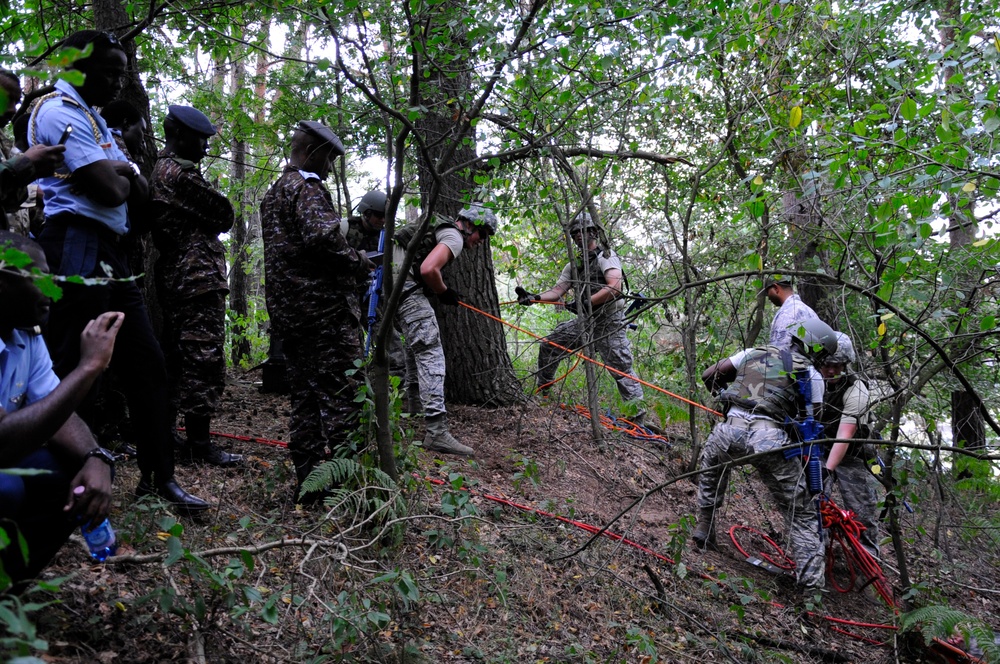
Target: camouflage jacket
point(312, 273)
point(15, 175)
point(187, 216)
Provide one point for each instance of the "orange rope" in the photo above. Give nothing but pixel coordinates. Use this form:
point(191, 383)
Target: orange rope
point(616, 424)
point(591, 360)
point(504, 304)
point(562, 377)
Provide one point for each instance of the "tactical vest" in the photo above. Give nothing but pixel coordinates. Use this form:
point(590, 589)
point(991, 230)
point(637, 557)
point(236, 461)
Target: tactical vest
point(833, 408)
point(592, 269)
point(766, 384)
point(403, 236)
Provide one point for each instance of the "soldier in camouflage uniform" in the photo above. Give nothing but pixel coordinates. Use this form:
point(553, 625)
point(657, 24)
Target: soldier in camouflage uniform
point(602, 277)
point(313, 277)
point(758, 389)
point(362, 232)
point(425, 366)
point(792, 311)
point(845, 417)
point(188, 215)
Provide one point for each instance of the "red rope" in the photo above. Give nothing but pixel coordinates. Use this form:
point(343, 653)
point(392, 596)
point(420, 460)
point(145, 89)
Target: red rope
point(846, 530)
point(957, 654)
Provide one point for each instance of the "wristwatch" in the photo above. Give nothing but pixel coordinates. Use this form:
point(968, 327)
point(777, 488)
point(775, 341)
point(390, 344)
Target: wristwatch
point(102, 454)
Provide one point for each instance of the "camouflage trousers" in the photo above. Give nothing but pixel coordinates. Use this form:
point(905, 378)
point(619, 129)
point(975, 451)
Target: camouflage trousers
point(323, 387)
point(424, 354)
point(784, 478)
point(610, 341)
point(857, 493)
point(194, 332)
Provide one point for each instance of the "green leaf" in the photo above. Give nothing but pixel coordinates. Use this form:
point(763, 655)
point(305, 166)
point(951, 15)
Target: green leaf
point(175, 551)
point(987, 323)
point(908, 109)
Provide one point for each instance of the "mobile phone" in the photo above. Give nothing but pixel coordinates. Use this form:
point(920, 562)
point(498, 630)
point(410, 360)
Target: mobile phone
point(65, 135)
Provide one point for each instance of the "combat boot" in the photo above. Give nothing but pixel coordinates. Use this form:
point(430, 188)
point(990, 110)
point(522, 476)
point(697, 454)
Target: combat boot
point(704, 534)
point(439, 439)
point(200, 446)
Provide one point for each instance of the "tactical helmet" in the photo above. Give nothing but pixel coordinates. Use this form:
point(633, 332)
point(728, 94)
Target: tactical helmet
point(814, 339)
point(845, 351)
point(375, 201)
point(580, 222)
point(480, 217)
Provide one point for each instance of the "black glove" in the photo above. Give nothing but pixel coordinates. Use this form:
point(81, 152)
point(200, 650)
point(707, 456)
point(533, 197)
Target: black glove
point(573, 306)
point(451, 297)
point(828, 475)
point(524, 298)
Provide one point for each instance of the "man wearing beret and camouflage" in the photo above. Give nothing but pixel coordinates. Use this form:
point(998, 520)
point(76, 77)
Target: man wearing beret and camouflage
point(313, 278)
point(425, 367)
point(188, 215)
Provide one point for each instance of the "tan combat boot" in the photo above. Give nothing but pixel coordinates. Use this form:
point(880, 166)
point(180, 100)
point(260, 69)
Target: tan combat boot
point(439, 439)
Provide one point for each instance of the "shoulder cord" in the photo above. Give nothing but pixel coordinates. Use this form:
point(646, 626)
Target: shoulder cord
point(33, 123)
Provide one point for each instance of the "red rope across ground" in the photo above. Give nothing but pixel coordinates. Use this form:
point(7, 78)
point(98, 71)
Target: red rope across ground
point(942, 648)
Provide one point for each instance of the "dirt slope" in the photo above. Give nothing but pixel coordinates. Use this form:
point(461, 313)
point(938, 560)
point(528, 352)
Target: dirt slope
point(502, 585)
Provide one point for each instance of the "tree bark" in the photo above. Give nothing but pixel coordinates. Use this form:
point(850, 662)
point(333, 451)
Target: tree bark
point(238, 279)
point(967, 426)
point(479, 369)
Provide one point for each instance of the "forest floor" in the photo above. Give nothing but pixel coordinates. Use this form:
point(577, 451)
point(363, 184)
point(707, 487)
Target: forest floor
point(462, 578)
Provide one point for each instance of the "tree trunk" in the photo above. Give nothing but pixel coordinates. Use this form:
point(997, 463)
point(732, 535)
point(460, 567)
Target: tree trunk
point(479, 369)
point(238, 278)
point(967, 426)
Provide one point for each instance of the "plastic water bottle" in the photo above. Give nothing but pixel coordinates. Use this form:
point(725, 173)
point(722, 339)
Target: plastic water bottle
point(100, 541)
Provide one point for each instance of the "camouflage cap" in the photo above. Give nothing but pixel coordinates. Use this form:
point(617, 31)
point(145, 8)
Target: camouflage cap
point(480, 216)
point(776, 280)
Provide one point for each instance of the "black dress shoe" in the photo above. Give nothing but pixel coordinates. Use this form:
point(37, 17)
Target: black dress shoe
point(212, 455)
point(169, 491)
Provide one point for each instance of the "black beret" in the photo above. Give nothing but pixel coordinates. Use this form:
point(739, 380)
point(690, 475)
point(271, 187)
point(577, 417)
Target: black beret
point(193, 119)
point(322, 132)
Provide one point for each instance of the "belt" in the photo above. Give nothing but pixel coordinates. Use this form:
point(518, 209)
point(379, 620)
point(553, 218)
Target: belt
point(67, 219)
point(751, 425)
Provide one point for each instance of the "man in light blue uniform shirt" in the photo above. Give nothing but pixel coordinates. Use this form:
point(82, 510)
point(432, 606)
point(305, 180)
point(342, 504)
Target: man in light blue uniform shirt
point(86, 219)
point(38, 428)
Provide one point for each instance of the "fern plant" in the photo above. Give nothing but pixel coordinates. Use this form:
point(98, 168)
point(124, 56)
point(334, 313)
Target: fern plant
point(944, 622)
point(357, 492)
